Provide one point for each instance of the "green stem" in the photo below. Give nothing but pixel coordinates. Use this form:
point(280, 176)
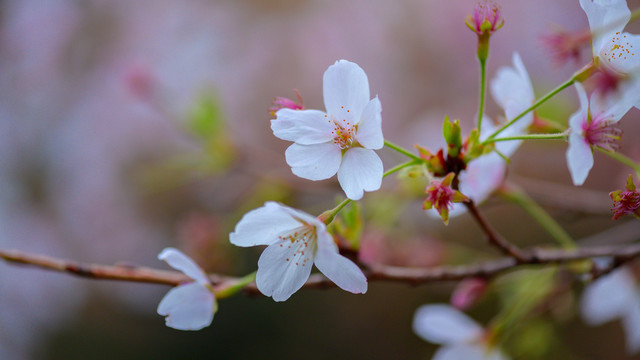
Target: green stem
point(562, 135)
point(543, 218)
point(400, 167)
point(236, 286)
point(621, 158)
point(635, 15)
point(401, 150)
point(532, 107)
point(483, 81)
point(328, 216)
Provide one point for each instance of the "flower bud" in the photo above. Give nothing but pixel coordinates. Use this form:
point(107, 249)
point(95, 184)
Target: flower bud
point(285, 103)
point(486, 18)
point(626, 202)
point(452, 135)
point(468, 292)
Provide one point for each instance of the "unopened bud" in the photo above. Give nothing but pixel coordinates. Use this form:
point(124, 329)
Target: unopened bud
point(486, 18)
point(285, 103)
point(468, 292)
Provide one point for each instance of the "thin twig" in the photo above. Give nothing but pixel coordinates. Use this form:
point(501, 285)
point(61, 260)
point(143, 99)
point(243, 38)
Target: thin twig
point(493, 237)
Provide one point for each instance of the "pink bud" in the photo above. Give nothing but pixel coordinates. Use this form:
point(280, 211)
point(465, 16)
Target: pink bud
point(140, 81)
point(486, 18)
point(468, 292)
point(285, 103)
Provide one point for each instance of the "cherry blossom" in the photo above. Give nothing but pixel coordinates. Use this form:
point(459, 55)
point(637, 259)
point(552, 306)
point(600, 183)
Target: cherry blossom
point(461, 337)
point(615, 296)
point(592, 125)
point(295, 242)
point(617, 51)
point(341, 140)
point(189, 306)
point(564, 45)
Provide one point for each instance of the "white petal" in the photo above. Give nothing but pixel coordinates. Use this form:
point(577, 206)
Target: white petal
point(467, 352)
point(361, 170)
point(631, 324)
point(443, 324)
point(188, 307)
point(263, 225)
point(283, 269)
point(614, 106)
point(602, 14)
point(512, 89)
point(370, 127)
point(179, 261)
point(342, 271)
point(345, 87)
point(579, 118)
point(302, 126)
point(482, 177)
point(579, 158)
point(314, 162)
point(303, 217)
point(608, 298)
point(620, 53)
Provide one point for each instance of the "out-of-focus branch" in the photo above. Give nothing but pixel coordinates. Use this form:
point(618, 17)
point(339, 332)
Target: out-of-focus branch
point(414, 276)
point(493, 237)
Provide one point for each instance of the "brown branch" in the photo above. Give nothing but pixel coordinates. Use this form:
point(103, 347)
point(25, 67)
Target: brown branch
point(494, 238)
point(414, 276)
point(100, 272)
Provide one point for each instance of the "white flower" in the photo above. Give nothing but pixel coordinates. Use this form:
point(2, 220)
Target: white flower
point(618, 51)
point(296, 241)
point(188, 306)
point(591, 126)
point(614, 296)
point(512, 90)
point(461, 337)
point(341, 140)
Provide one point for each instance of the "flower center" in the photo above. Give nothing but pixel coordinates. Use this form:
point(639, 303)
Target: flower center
point(600, 132)
point(440, 196)
point(617, 50)
point(628, 202)
point(302, 243)
point(344, 132)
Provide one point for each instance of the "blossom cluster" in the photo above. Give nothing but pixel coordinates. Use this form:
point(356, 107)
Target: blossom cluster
point(343, 138)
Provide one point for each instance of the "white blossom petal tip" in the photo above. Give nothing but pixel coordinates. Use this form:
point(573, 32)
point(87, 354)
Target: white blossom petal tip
point(179, 261)
point(189, 306)
point(444, 324)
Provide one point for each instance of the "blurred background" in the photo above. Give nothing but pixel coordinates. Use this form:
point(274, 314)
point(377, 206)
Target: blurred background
point(130, 125)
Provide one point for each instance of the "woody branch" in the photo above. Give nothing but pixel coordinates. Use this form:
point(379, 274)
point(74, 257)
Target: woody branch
point(413, 276)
